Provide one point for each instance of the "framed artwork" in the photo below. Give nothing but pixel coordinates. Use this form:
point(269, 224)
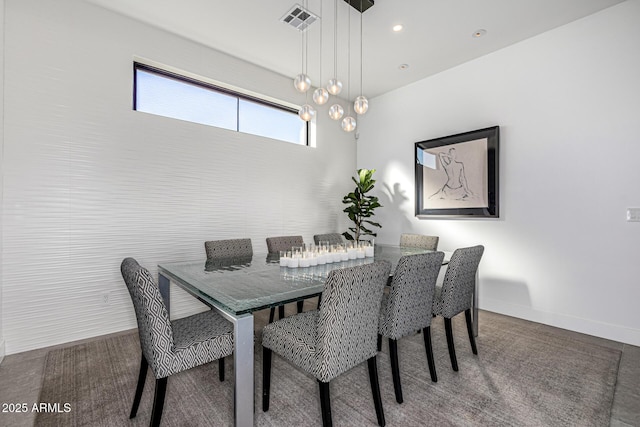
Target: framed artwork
point(457, 175)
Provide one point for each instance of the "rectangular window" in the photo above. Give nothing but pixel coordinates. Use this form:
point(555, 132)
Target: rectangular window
point(172, 95)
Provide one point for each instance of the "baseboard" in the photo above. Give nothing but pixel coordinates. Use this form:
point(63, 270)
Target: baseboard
point(1, 350)
point(608, 331)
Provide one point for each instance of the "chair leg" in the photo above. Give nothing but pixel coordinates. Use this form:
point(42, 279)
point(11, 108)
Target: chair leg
point(325, 404)
point(319, 300)
point(266, 377)
point(452, 349)
point(281, 311)
point(142, 376)
point(395, 369)
point(467, 315)
point(375, 389)
point(221, 368)
point(158, 401)
point(426, 333)
point(379, 344)
point(272, 314)
point(300, 305)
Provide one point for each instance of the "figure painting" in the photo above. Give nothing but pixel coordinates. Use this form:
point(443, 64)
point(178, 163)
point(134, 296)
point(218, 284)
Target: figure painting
point(456, 175)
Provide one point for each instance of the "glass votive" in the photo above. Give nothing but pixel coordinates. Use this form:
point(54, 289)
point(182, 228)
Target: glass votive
point(305, 259)
point(368, 251)
point(293, 262)
point(352, 251)
point(284, 260)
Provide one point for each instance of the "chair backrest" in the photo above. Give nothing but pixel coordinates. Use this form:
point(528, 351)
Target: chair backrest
point(154, 326)
point(332, 238)
point(419, 241)
point(283, 243)
point(410, 302)
point(231, 248)
point(460, 280)
point(348, 318)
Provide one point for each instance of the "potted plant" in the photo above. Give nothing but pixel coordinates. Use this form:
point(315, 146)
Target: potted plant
point(361, 206)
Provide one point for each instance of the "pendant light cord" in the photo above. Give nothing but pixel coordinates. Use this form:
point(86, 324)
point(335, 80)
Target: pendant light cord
point(349, 59)
point(361, 56)
point(335, 39)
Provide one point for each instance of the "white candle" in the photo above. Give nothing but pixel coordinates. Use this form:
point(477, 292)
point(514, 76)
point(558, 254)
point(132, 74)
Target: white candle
point(368, 251)
point(293, 262)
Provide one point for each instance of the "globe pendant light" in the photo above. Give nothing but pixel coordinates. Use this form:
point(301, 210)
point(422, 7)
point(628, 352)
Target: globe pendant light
point(320, 95)
point(302, 83)
point(349, 123)
point(361, 104)
point(335, 86)
point(336, 111)
point(307, 112)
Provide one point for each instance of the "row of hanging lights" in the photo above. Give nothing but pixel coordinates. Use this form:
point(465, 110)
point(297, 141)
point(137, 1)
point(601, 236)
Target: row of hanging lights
point(321, 95)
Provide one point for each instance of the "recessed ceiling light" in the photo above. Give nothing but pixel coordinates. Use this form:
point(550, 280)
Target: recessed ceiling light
point(403, 66)
point(479, 33)
point(397, 28)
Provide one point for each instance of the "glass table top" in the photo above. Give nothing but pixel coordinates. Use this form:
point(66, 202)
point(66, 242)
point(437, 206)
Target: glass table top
point(243, 285)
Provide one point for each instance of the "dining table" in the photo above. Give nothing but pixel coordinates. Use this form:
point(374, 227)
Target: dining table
point(237, 287)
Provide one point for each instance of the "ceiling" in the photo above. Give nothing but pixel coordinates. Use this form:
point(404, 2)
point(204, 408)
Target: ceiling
point(437, 34)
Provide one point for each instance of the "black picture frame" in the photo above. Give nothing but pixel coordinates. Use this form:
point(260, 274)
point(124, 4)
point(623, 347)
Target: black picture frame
point(458, 176)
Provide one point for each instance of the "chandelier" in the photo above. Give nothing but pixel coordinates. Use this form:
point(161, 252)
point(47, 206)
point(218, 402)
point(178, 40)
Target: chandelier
point(301, 18)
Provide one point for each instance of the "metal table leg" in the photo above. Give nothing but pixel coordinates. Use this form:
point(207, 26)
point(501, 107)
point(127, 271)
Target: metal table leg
point(242, 357)
point(243, 368)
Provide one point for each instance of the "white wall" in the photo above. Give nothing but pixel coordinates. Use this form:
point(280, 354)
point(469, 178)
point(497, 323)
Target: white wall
point(88, 181)
point(2, 349)
point(567, 105)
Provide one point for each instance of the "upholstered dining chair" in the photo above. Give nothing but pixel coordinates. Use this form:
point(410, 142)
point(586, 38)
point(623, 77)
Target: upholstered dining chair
point(332, 238)
point(171, 347)
point(337, 337)
point(408, 307)
point(456, 294)
point(230, 248)
point(274, 246)
point(419, 241)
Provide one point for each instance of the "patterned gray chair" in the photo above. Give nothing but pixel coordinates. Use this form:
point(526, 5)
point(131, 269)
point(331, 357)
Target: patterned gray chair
point(408, 307)
point(332, 238)
point(419, 241)
point(334, 339)
point(456, 294)
point(171, 347)
point(274, 246)
point(231, 248)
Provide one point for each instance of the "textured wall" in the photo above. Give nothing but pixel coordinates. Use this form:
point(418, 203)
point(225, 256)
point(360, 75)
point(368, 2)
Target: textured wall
point(2, 349)
point(567, 104)
point(88, 181)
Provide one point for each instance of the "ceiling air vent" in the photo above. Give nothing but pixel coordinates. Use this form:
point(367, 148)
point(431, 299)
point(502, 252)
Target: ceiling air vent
point(299, 18)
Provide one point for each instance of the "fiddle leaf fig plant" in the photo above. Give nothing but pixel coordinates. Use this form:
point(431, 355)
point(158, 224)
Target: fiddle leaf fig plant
point(360, 206)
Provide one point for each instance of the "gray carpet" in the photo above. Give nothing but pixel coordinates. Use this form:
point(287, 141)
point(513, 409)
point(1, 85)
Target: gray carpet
point(525, 375)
